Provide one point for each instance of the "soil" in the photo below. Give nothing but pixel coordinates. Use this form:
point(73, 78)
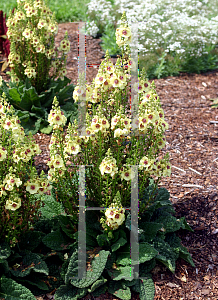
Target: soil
point(192, 141)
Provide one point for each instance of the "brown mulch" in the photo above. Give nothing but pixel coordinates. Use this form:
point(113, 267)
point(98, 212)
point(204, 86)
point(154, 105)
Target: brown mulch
point(192, 141)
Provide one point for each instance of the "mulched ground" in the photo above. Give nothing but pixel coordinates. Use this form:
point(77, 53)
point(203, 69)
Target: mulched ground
point(192, 141)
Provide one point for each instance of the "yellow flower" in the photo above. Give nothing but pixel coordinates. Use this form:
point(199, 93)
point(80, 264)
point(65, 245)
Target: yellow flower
point(13, 204)
point(72, 147)
point(3, 153)
point(126, 174)
point(57, 117)
point(32, 186)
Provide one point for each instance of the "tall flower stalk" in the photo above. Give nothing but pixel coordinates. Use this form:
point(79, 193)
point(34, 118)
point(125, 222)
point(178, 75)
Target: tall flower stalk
point(31, 31)
point(109, 145)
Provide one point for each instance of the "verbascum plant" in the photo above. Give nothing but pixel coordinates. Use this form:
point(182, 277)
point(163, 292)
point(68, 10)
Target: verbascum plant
point(31, 31)
point(19, 181)
point(109, 145)
point(38, 67)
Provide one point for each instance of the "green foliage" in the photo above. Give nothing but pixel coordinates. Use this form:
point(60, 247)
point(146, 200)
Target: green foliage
point(109, 40)
point(5, 251)
point(11, 290)
point(97, 284)
point(118, 290)
point(67, 292)
point(30, 262)
point(30, 240)
point(118, 244)
point(32, 108)
point(51, 207)
point(97, 267)
point(145, 287)
point(56, 240)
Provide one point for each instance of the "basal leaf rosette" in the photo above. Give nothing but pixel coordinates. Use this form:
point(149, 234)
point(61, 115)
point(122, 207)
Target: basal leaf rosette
point(19, 179)
point(110, 148)
point(31, 31)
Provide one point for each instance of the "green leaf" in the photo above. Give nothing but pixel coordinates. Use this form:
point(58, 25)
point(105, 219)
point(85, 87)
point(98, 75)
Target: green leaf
point(65, 93)
point(46, 130)
point(117, 289)
point(97, 267)
point(66, 292)
point(51, 207)
point(47, 98)
point(121, 273)
point(118, 244)
point(72, 270)
point(150, 230)
point(5, 250)
point(11, 290)
point(39, 265)
point(15, 96)
point(39, 283)
point(146, 253)
point(166, 254)
point(56, 240)
point(97, 284)
point(175, 244)
point(30, 240)
point(29, 98)
point(66, 225)
point(146, 267)
point(100, 290)
point(102, 239)
point(170, 223)
point(185, 225)
point(40, 112)
point(145, 287)
point(31, 261)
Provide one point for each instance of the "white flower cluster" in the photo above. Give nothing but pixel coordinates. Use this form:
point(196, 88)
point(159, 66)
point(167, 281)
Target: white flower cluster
point(183, 27)
point(99, 13)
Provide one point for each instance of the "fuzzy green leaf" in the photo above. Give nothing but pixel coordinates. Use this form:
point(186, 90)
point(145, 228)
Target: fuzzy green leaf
point(146, 253)
point(11, 290)
point(39, 283)
point(97, 267)
point(150, 230)
point(51, 207)
point(15, 96)
point(66, 225)
point(170, 223)
point(5, 251)
point(65, 93)
point(146, 267)
point(46, 130)
point(100, 290)
point(175, 243)
point(30, 240)
point(97, 284)
point(145, 287)
point(56, 240)
point(121, 273)
point(166, 254)
point(72, 270)
point(67, 292)
point(185, 225)
point(29, 98)
point(117, 289)
point(31, 261)
point(118, 244)
point(102, 239)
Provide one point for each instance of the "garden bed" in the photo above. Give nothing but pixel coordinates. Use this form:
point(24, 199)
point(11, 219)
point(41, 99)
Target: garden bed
point(192, 143)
